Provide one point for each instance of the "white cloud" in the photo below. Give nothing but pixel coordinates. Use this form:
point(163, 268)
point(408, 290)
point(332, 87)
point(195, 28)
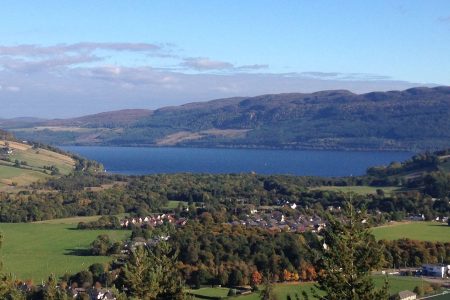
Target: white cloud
point(35, 58)
point(205, 64)
point(9, 88)
point(76, 79)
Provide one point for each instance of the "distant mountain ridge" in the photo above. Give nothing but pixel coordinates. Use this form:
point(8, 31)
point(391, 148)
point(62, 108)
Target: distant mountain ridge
point(414, 119)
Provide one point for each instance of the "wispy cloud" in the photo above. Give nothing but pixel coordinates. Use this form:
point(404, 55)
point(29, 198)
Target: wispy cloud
point(444, 19)
point(32, 58)
point(205, 64)
point(9, 88)
point(46, 51)
point(253, 67)
point(75, 79)
point(344, 76)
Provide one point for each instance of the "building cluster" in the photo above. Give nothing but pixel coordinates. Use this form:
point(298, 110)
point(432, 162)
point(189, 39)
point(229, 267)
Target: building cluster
point(153, 221)
point(5, 151)
point(92, 294)
point(421, 217)
point(278, 221)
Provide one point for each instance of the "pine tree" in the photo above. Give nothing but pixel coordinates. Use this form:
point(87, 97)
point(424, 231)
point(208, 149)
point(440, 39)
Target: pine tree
point(141, 276)
point(51, 290)
point(171, 282)
point(348, 255)
point(151, 274)
point(268, 292)
point(8, 288)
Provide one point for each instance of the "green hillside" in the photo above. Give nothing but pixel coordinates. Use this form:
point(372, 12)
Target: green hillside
point(22, 164)
point(414, 119)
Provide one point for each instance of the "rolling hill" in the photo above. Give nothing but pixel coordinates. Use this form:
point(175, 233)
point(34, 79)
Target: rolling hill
point(415, 119)
point(22, 164)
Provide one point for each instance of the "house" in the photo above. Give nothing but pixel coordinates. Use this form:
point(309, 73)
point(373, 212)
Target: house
point(407, 295)
point(417, 217)
point(77, 292)
point(6, 151)
point(102, 294)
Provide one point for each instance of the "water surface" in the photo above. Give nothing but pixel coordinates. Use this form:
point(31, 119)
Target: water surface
point(147, 160)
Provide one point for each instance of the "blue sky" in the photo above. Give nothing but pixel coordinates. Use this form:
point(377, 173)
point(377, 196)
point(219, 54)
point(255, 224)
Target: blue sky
point(68, 58)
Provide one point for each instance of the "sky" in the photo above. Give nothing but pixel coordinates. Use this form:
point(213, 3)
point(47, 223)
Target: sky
point(63, 59)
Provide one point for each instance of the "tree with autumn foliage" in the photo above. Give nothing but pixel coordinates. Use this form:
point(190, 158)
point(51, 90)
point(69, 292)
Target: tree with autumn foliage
point(307, 271)
point(256, 279)
point(348, 255)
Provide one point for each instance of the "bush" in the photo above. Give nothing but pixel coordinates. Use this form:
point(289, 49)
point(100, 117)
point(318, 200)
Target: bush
point(101, 245)
point(232, 292)
point(419, 290)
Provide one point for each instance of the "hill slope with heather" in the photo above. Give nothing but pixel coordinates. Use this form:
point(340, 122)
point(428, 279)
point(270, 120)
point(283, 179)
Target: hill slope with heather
point(414, 119)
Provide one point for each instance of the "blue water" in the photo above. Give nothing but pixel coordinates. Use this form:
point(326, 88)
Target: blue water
point(144, 160)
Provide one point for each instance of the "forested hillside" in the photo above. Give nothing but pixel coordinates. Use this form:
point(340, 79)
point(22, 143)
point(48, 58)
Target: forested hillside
point(414, 119)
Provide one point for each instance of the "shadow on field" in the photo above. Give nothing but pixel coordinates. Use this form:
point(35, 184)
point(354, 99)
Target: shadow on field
point(78, 252)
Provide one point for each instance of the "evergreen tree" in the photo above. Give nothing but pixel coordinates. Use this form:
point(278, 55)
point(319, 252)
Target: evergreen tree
point(268, 292)
point(348, 255)
point(51, 291)
point(151, 274)
point(8, 289)
point(171, 282)
point(141, 276)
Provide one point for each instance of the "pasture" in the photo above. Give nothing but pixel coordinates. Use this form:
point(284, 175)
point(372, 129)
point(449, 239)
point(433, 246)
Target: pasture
point(35, 250)
point(282, 290)
point(36, 160)
point(174, 204)
point(357, 189)
point(421, 231)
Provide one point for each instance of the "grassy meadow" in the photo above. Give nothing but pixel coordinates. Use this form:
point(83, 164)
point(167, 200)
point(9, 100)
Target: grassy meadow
point(422, 231)
point(357, 189)
point(35, 250)
point(396, 284)
point(33, 171)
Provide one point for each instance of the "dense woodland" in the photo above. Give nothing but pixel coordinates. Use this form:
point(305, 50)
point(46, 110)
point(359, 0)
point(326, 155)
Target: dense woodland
point(87, 192)
point(73, 195)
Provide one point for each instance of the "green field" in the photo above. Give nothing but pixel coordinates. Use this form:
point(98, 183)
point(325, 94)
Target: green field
point(36, 160)
point(174, 204)
point(360, 190)
point(70, 221)
point(422, 231)
point(211, 292)
point(445, 296)
point(10, 175)
point(396, 284)
point(35, 250)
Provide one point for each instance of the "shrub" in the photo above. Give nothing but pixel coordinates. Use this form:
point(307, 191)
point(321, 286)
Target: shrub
point(232, 292)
